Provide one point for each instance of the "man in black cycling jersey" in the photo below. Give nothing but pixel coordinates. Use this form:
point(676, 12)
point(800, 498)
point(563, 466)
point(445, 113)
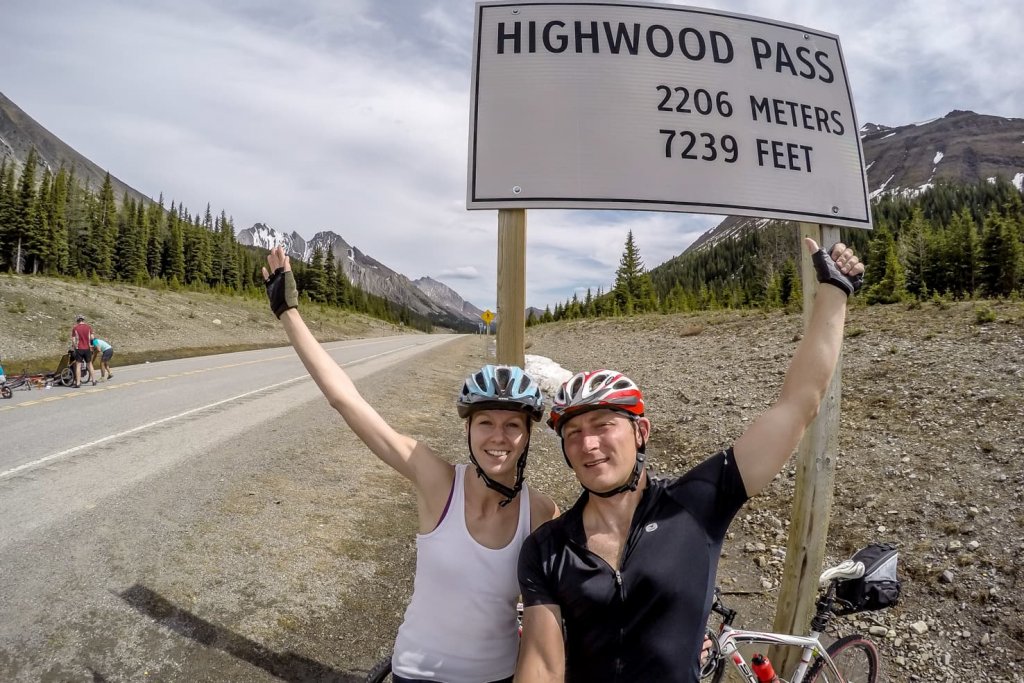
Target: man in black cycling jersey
point(630, 569)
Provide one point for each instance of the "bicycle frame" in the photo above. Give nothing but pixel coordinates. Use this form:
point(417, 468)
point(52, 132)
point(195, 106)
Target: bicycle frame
point(730, 639)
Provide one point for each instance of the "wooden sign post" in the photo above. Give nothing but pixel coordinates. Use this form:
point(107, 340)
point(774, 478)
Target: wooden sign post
point(511, 287)
point(815, 480)
point(605, 127)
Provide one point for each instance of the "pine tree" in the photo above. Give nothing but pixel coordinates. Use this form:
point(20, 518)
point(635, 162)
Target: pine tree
point(198, 257)
point(25, 224)
point(99, 250)
point(315, 277)
point(913, 253)
point(892, 287)
point(216, 276)
point(343, 288)
point(963, 251)
point(39, 236)
point(773, 292)
point(231, 274)
point(330, 279)
point(127, 243)
point(138, 256)
point(174, 262)
point(57, 207)
point(1001, 256)
point(8, 210)
point(875, 264)
point(789, 280)
point(155, 238)
point(79, 216)
point(633, 289)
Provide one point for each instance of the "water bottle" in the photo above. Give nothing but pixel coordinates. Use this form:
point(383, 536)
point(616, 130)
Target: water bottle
point(763, 669)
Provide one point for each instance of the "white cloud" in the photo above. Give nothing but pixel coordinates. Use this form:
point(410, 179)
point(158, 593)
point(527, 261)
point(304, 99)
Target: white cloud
point(352, 116)
point(460, 273)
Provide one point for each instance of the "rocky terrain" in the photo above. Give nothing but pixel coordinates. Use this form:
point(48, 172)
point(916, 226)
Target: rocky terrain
point(930, 456)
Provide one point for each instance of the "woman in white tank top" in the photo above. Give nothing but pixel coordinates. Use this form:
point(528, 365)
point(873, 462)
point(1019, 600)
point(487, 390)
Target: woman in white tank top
point(460, 625)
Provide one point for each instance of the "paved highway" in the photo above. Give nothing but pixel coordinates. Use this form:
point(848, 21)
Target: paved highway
point(105, 490)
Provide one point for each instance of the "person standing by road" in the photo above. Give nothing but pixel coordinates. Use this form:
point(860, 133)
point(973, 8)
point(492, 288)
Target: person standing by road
point(104, 351)
point(630, 568)
point(81, 340)
point(460, 626)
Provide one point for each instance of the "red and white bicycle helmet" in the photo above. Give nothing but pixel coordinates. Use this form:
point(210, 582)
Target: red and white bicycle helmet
point(594, 390)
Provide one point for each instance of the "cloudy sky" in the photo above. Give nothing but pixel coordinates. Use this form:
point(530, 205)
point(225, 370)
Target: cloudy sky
point(352, 115)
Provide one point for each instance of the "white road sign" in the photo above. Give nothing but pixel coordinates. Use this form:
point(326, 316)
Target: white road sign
point(661, 107)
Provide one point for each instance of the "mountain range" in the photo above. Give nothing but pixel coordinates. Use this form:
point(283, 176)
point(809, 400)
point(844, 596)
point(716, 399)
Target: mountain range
point(962, 146)
point(424, 296)
point(19, 133)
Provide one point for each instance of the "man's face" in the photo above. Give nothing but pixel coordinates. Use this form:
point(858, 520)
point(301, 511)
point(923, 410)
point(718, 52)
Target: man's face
point(601, 446)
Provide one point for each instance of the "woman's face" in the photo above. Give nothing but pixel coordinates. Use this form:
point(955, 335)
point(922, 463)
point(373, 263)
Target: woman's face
point(498, 438)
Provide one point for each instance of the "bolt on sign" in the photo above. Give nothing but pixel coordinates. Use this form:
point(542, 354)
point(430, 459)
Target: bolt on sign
point(614, 105)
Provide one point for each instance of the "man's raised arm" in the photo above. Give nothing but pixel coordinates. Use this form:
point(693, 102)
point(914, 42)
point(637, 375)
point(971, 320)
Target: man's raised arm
point(767, 444)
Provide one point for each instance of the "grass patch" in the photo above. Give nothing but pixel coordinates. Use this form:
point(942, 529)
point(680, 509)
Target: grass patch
point(984, 314)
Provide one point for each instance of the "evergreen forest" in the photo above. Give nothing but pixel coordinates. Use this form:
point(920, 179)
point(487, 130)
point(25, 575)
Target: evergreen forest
point(952, 241)
point(53, 225)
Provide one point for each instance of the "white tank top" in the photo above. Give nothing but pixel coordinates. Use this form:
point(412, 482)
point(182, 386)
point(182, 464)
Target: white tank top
point(460, 626)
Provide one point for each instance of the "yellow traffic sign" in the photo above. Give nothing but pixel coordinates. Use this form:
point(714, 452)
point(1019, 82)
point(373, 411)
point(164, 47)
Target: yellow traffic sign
point(487, 317)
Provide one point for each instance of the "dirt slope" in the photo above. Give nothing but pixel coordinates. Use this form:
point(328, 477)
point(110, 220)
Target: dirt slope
point(36, 316)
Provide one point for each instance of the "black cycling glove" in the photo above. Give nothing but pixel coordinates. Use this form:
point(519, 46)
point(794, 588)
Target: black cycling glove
point(828, 272)
point(281, 291)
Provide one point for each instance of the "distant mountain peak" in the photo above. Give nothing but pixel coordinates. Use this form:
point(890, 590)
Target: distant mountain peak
point(443, 306)
point(447, 297)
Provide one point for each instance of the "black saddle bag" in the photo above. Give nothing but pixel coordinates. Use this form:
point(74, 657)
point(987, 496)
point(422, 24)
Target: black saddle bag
point(879, 588)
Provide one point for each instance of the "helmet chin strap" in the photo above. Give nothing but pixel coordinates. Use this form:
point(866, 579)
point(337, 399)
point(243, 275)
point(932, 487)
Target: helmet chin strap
point(509, 493)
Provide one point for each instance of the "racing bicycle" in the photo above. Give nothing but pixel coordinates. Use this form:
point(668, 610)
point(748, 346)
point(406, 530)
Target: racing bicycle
point(851, 659)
